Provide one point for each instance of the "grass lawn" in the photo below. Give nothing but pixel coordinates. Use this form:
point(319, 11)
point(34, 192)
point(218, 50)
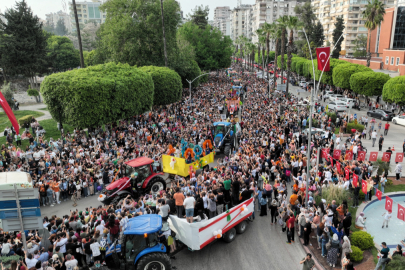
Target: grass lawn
point(394, 188)
point(44, 109)
point(5, 122)
point(51, 132)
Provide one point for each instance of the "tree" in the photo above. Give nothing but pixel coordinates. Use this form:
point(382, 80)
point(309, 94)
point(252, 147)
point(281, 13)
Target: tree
point(132, 32)
point(282, 22)
point(361, 46)
point(79, 38)
point(24, 46)
point(317, 35)
point(212, 49)
point(49, 27)
point(327, 76)
point(97, 95)
point(292, 23)
point(342, 73)
point(61, 54)
point(394, 90)
point(89, 37)
point(307, 53)
point(60, 28)
point(374, 15)
point(167, 82)
point(268, 30)
point(305, 14)
point(163, 31)
point(200, 16)
point(8, 94)
point(277, 36)
point(368, 83)
point(337, 33)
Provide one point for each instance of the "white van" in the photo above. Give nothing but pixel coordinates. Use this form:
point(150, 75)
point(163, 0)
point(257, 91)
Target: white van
point(8, 179)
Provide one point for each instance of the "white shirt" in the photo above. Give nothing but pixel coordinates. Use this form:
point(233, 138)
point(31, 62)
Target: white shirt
point(95, 249)
point(189, 203)
point(31, 263)
point(328, 175)
point(387, 216)
point(71, 264)
point(62, 245)
point(374, 135)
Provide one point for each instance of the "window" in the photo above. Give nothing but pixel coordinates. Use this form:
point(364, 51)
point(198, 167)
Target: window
point(392, 60)
point(399, 34)
point(387, 59)
point(397, 61)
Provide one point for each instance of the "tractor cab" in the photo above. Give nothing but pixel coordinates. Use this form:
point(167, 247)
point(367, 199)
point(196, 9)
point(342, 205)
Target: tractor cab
point(140, 245)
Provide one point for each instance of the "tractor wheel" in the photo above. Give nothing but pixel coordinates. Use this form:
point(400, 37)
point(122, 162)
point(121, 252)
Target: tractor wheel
point(117, 199)
point(156, 184)
point(230, 235)
point(154, 261)
point(227, 150)
point(241, 227)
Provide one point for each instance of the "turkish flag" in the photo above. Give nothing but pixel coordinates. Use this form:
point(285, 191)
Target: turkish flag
point(361, 155)
point(331, 161)
point(364, 186)
point(338, 167)
point(388, 203)
point(336, 154)
point(349, 155)
point(373, 156)
point(399, 157)
point(9, 113)
point(347, 173)
point(378, 193)
point(355, 180)
point(401, 212)
point(386, 156)
point(325, 153)
point(322, 55)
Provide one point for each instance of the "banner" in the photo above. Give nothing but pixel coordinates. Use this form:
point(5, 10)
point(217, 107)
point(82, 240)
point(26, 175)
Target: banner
point(401, 212)
point(386, 156)
point(338, 167)
point(322, 55)
point(378, 193)
point(361, 155)
point(364, 186)
point(399, 157)
point(388, 203)
point(347, 173)
point(325, 153)
point(9, 113)
point(355, 180)
point(336, 154)
point(349, 155)
point(373, 156)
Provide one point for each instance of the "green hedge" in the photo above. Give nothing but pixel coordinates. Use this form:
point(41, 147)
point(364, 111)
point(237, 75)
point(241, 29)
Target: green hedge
point(167, 84)
point(362, 239)
point(352, 125)
point(23, 121)
point(342, 73)
point(357, 254)
point(97, 95)
point(394, 90)
point(368, 83)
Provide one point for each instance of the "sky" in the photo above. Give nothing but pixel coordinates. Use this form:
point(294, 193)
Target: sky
point(42, 7)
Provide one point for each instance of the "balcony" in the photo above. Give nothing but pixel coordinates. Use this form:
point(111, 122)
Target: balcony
point(325, 3)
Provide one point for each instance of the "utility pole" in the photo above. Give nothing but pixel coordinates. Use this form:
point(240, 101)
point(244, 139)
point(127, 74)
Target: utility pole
point(78, 34)
point(164, 34)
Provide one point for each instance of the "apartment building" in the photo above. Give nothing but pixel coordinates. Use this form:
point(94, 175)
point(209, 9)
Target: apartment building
point(241, 21)
point(351, 11)
point(54, 17)
point(87, 12)
point(222, 19)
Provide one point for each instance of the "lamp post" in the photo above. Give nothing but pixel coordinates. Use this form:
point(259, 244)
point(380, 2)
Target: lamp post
point(190, 82)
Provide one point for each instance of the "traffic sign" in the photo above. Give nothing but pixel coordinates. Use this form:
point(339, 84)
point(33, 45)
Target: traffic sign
point(355, 116)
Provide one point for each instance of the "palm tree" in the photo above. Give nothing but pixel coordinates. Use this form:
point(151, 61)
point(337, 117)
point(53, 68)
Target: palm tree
point(282, 23)
point(292, 23)
point(244, 41)
point(276, 35)
point(374, 15)
point(261, 44)
point(268, 30)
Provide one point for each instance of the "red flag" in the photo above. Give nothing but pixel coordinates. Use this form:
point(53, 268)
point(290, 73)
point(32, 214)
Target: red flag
point(378, 193)
point(386, 157)
point(325, 153)
point(322, 54)
point(373, 156)
point(331, 161)
point(338, 167)
point(399, 157)
point(347, 173)
point(361, 155)
point(388, 203)
point(401, 212)
point(364, 186)
point(336, 154)
point(355, 180)
point(349, 155)
point(9, 113)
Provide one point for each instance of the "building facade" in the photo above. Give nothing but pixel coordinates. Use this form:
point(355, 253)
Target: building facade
point(87, 12)
point(241, 22)
point(222, 19)
point(53, 18)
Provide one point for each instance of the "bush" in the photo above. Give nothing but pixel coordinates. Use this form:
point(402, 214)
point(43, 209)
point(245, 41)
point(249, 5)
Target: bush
point(342, 73)
point(336, 193)
point(394, 90)
point(32, 92)
point(8, 94)
point(362, 239)
point(397, 263)
point(368, 83)
point(352, 125)
point(167, 82)
point(356, 255)
point(389, 182)
point(25, 121)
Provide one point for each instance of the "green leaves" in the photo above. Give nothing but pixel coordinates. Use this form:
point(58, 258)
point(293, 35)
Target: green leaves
point(368, 83)
point(342, 73)
point(98, 95)
point(394, 90)
point(61, 53)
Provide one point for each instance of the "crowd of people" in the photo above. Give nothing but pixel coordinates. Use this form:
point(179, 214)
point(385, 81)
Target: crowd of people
point(269, 164)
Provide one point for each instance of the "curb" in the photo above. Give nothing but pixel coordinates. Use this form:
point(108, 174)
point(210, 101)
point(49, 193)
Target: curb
point(307, 250)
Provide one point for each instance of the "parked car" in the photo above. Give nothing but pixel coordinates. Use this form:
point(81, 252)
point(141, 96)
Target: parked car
point(314, 131)
point(381, 114)
point(303, 83)
point(335, 97)
point(399, 120)
point(337, 106)
point(348, 101)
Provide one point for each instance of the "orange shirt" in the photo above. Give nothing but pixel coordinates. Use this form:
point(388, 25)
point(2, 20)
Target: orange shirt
point(55, 186)
point(293, 199)
point(179, 198)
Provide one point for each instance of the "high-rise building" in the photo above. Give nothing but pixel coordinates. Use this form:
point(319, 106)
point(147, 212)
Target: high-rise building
point(222, 20)
point(87, 12)
point(351, 11)
point(241, 21)
point(53, 18)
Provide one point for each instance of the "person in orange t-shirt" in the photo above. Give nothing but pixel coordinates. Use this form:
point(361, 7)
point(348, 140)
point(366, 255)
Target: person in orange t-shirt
point(56, 190)
point(179, 199)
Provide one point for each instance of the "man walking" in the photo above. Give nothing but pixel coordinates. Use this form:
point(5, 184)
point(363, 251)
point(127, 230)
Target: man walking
point(374, 136)
point(387, 126)
point(383, 256)
point(380, 142)
point(290, 229)
point(307, 262)
point(398, 170)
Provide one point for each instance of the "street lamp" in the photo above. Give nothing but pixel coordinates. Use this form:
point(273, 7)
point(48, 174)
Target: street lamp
point(190, 82)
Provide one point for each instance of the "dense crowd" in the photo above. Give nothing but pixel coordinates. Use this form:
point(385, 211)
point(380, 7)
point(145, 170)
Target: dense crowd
point(269, 164)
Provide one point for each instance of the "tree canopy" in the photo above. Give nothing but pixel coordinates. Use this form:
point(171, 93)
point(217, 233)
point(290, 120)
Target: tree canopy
point(368, 83)
point(337, 32)
point(60, 28)
point(394, 90)
point(342, 73)
point(61, 53)
point(200, 16)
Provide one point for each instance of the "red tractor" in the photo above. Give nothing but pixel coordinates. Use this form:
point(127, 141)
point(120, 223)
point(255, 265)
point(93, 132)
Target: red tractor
point(139, 179)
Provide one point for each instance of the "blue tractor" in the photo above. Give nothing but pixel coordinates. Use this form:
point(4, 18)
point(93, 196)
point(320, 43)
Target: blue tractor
point(224, 137)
